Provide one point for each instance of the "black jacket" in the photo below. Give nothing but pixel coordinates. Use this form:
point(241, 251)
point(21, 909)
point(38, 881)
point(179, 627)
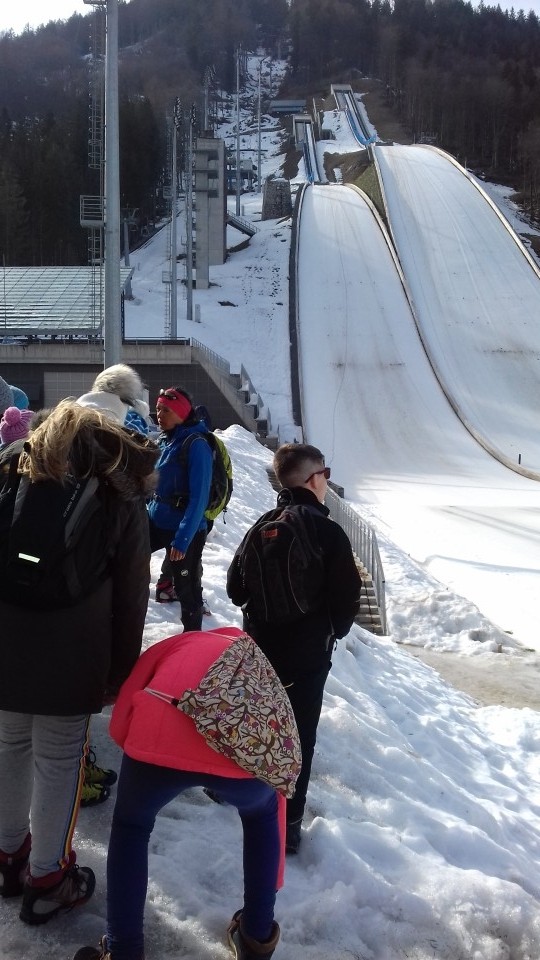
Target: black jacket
point(60, 662)
point(299, 649)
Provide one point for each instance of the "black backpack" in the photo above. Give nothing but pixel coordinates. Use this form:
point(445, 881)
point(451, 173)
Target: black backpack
point(281, 565)
point(43, 562)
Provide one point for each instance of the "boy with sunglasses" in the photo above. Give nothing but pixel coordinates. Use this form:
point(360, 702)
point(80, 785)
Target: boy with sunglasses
point(300, 652)
point(176, 511)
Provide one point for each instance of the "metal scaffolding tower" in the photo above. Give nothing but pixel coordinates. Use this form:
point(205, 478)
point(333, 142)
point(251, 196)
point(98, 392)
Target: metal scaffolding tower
point(92, 216)
point(101, 215)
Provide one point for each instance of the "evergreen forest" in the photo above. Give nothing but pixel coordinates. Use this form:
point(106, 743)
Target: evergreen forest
point(466, 78)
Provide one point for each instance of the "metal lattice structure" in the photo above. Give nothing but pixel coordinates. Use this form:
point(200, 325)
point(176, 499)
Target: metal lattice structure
point(92, 207)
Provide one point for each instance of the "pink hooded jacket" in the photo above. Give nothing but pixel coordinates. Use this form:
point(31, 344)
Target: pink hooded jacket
point(153, 731)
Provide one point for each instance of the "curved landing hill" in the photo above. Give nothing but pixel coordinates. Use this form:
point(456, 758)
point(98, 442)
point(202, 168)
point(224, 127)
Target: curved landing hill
point(476, 297)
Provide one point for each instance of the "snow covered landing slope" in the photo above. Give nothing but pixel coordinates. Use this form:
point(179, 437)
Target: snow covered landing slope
point(476, 295)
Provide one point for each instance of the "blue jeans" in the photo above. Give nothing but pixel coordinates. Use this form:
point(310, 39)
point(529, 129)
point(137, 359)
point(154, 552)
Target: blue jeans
point(143, 789)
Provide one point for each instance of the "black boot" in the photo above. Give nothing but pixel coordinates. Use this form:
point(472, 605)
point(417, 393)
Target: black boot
point(192, 619)
point(245, 947)
point(293, 837)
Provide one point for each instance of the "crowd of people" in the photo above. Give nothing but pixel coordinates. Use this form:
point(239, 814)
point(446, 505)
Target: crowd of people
point(112, 488)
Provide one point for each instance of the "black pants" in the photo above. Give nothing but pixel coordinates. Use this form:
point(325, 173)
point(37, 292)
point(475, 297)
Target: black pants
point(306, 698)
point(186, 574)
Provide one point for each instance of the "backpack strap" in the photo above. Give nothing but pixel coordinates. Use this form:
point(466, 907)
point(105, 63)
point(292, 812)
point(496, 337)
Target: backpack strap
point(11, 473)
point(179, 500)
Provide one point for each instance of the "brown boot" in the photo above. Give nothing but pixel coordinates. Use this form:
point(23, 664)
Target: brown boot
point(245, 947)
point(40, 902)
point(94, 953)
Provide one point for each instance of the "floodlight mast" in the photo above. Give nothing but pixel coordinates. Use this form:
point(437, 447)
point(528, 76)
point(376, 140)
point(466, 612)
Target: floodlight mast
point(176, 125)
point(112, 338)
point(238, 182)
point(189, 214)
point(259, 150)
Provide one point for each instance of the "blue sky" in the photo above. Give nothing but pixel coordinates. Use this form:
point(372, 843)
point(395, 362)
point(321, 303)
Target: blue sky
point(34, 13)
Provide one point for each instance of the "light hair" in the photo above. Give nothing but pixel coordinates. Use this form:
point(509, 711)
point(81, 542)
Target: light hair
point(74, 440)
point(295, 462)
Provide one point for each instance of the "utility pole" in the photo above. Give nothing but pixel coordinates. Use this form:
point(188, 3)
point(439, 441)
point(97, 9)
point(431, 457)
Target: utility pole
point(112, 339)
point(174, 262)
point(189, 217)
point(259, 131)
point(259, 174)
point(238, 176)
point(208, 79)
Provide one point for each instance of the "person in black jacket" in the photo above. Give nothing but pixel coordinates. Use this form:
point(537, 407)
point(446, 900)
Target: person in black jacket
point(301, 652)
point(60, 663)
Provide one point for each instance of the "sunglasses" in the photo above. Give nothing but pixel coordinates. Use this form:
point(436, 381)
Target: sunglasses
point(316, 473)
point(169, 394)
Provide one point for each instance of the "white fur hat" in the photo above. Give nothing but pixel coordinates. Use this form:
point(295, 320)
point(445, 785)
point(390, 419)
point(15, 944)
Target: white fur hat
point(106, 403)
point(122, 380)
point(142, 408)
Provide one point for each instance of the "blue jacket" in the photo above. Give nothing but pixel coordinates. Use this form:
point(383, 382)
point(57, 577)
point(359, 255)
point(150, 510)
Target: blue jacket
point(190, 480)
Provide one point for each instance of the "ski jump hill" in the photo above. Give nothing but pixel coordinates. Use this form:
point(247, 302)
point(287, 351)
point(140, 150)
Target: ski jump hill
point(418, 331)
point(445, 303)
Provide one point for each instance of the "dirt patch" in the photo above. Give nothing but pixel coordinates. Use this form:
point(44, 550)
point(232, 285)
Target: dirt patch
point(490, 679)
point(290, 164)
point(380, 113)
point(350, 166)
point(534, 241)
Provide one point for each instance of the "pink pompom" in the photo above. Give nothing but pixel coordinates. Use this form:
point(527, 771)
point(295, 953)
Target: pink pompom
point(12, 416)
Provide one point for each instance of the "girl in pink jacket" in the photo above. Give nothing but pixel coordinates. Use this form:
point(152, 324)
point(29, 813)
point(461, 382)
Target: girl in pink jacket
point(164, 755)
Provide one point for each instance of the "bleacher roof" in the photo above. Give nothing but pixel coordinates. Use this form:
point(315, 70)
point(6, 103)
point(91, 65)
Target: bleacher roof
point(287, 106)
point(47, 301)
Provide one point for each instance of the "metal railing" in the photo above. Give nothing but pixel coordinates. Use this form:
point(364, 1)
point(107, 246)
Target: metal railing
point(364, 543)
point(252, 397)
point(213, 358)
point(245, 226)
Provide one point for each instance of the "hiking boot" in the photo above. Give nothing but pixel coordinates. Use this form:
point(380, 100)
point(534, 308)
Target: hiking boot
point(13, 869)
point(165, 592)
point(212, 795)
point(40, 903)
point(94, 793)
point(293, 837)
point(97, 953)
point(94, 953)
point(97, 775)
point(245, 947)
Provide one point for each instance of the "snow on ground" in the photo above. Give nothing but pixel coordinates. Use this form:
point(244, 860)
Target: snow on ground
point(422, 832)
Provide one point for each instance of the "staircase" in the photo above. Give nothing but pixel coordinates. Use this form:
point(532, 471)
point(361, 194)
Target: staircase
point(369, 616)
point(245, 226)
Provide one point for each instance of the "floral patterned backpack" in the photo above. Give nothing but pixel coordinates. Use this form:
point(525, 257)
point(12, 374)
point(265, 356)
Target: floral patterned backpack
point(243, 712)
